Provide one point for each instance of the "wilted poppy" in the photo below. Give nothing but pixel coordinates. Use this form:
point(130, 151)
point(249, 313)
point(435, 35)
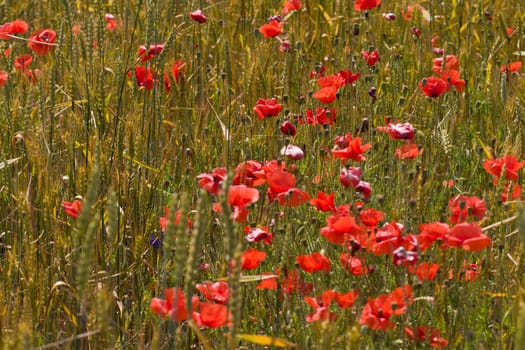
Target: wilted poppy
point(42, 42)
point(398, 131)
point(292, 152)
point(258, 234)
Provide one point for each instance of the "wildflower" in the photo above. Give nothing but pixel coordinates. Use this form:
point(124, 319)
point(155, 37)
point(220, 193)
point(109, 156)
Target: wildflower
point(451, 76)
point(326, 94)
point(433, 86)
point(146, 54)
point(198, 16)
point(424, 271)
point(426, 334)
point(212, 315)
point(404, 257)
point(249, 173)
point(111, 23)
point(389, 16)
point(292, 152)
point(354, 150)
point(3, 78)
point(145, 77)
point(267, 108)
point(398, 131)
point(9, 29)
point(495, 167)
point(352, 264)
point(212, 182)
point(42, 42)
point(271, 29)
point(512, 67)
point(323, 201)
point(461, 207)
point(218, 292)
point(322, 116)
point(288, 129)
point(258, 234)
point(174, 306)
point(428, 233)
point(350, 176)
point(377, 312)
point(23, 62)
point(468, 236)
point(175, 69)
point(73, 209)
point(510, 192)
point(371, 217)
point(313, 262)
point(241, 196)
point(362, 5)
point(341, 229)
point(407, 151)
point(291, 5)
point(252, 258)
point(371, 58)
point(365, 188)
point(321, 307)
point(451, 63)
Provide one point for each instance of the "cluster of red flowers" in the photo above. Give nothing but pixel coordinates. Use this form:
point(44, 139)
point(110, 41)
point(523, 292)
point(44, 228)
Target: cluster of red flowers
point(446, 69)
point(505, 168)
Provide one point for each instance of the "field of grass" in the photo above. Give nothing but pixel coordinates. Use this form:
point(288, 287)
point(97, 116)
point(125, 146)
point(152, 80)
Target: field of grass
point(262, 174)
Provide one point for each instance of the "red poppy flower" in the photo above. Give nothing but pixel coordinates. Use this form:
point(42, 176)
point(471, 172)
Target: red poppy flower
point(280, 181)
point(3, 78)
point(348, 76)
point(404, 257)
point(258, 234)
point(271, 29)
point(23, 62)
point(240, 195)
point(452, 77)
point(163, 221)
point(111, 23)
point(212, 315)
point(146, 54)
point(426, 334)
point(365, 189)
point(321, 307)
point(428, 233)
point(495, 166)
point(362, 5)
point(468, 236)
point(424, 271)
point(217, 292)
point(198, 16)
point(354, 150)
point(398, 131)
point(451, 63)
point(267, 108)
point(433, 86)
point(7, 30)
point(350, 176)
point(511, 193)
point(175, 69)
point(73, 209)
point(346, 300)
point(341, 229)
point(42, 42)
point(461, 207)
point(377, 312)
point(291, 198)
point(512, 67)
point(212, 182)
point(322, 116)
point(249, 173)
point(371, 217)
point(145, 77)
point(371, 58)
point(313, 262)
point(291, 5)
point(290, 282)
point(326, 94)
point(288, 129)
point(174, 306)
point(407, 151)
point(252, 258)
point(323, 201)
point(352, 264)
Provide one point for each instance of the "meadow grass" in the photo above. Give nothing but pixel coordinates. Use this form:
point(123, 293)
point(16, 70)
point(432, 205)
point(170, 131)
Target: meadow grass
point(84, 127)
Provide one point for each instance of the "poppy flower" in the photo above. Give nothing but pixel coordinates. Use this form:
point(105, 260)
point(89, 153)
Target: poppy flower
point(512, 67)
point(494, 167)
point(371, 58)
point(321, 307)
point(252, 258)
point(404, 257)
point(258, 234)
point(175, 69)
point(7, 30)
point(111, 23)
point(352, 264)
point(163, 221)
point(362, 5)
point(433, 86)
point(341, 229)
point(461, 207)
point(218, 292)
point(73, 209)
point(510, 193)
point(174, 306)
point(377, 312)
point(280, 181)
point(468, 236)
point(398, 131)
point(290, 282)
point(291, 198)
point(145, 77)
point(323, 201)
point(426, 334)
point(42, 42)
point(292, 152)
point(267, 108)
point(240, 195)
point(288, 129)
point(291, 5)
point(23, 62)
point(313, 262)
point(451, 63)
point(371, 217)
point(146, 54)
point(365, 189)
point(354, 150)
point(249, 173)
point(407, 151)
point(271, 29)
point(390, 16)
point(212, 315)
point(346, 300)
point(424, 271)
point(334, 80)
point(212, 182)
point(350, 176)
point(198, 16)
point(431, 232)
point(3, 78)
point(322, 116)
point(326, 94)
point(451, 76)
point(348, 76)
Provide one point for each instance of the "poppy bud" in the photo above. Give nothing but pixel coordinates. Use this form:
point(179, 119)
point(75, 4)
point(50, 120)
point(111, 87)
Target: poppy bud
point(288, 129)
